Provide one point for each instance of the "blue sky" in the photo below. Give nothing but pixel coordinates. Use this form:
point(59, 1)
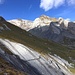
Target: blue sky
point(31, 9)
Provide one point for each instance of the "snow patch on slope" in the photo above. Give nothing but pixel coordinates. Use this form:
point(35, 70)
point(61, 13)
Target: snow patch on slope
point(63, 21)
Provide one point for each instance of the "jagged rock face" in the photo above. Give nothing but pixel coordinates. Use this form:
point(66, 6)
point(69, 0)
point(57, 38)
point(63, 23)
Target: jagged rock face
point(56, 33)
point(52, 32)
point(71, 27)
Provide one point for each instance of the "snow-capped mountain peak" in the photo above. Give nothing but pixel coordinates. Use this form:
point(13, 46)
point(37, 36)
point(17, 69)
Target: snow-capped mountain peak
point(24, 24)
point(38, 22)
point(63, 22)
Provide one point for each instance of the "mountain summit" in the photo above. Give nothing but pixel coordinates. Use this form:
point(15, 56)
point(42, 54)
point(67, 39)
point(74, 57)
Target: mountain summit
point(1, 19)
point(42, 17)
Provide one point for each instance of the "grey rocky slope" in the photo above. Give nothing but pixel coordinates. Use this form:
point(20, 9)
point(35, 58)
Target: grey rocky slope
point(31, 62)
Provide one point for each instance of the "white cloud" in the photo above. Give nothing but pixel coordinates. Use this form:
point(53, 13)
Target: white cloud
point(71, 2)
point(49, 4)
point(46, 4)
point(59, 3)
point(2, 1)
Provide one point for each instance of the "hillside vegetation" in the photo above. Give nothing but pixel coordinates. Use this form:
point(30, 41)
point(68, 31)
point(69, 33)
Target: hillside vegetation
point(43, 46)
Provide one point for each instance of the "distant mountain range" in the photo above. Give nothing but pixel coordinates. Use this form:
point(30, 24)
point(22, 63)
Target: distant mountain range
point(58, 30)
point(31, 55)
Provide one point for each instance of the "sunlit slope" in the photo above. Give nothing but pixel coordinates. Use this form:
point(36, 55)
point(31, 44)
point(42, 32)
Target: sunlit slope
point(14, 33)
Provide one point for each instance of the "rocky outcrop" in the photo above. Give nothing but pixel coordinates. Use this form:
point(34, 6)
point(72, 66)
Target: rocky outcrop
point(31, 62)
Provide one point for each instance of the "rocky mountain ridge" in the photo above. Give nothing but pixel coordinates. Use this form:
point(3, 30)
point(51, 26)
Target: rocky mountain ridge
point(58, 30)
point(38, 22)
